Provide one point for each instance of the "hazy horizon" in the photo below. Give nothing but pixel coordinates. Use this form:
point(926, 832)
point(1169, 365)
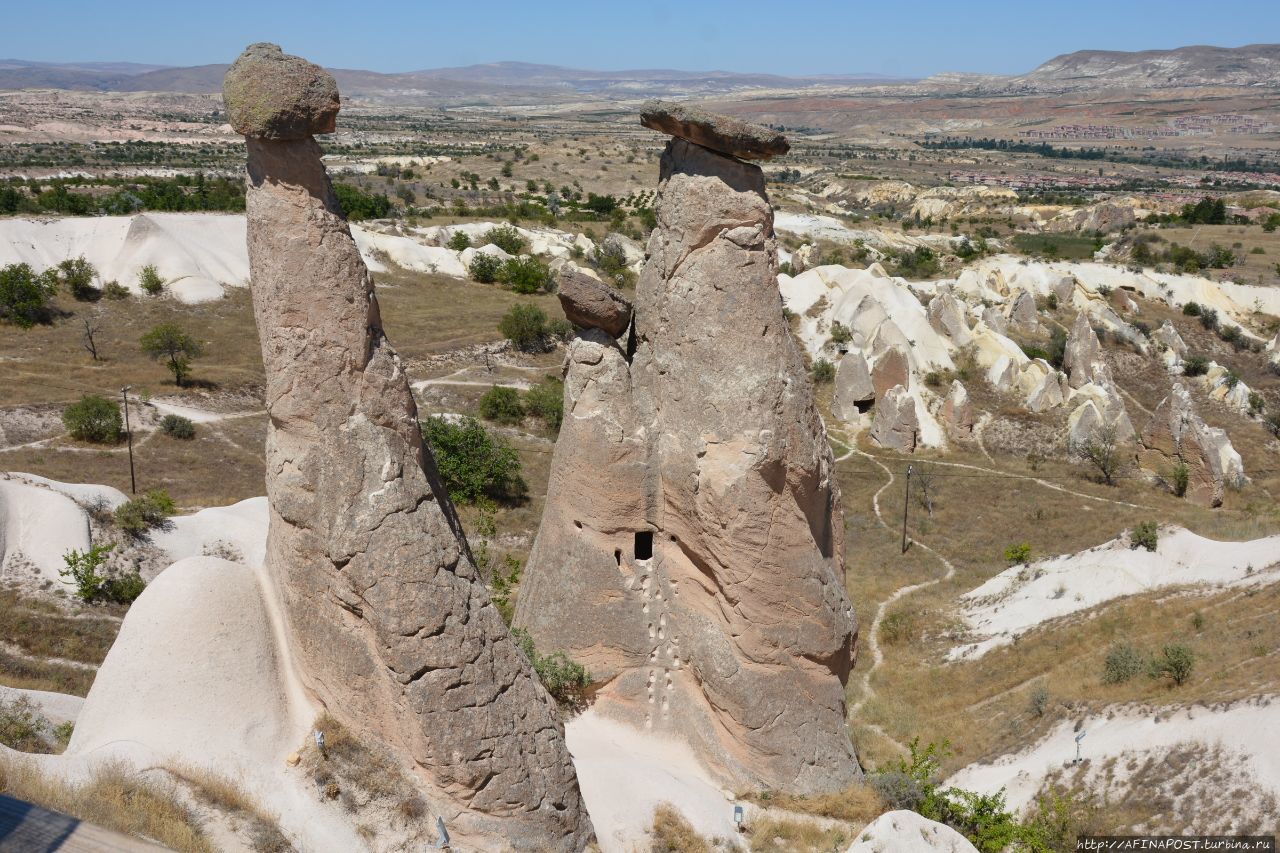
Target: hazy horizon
point(806, 38)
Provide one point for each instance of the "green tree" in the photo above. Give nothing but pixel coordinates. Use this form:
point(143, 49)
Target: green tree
point(94, 419)
point(356, 204)
point(458, 241)
point(1175, 662)
point(24, 296)
point(474, 466)
point(77, 276)
point(170, 341)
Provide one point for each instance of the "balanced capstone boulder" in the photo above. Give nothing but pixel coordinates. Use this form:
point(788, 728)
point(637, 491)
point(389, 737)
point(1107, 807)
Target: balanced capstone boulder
point(720, 133)
point(272, 95)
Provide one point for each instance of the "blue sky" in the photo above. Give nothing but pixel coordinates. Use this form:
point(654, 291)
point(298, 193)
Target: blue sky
point(785, 36)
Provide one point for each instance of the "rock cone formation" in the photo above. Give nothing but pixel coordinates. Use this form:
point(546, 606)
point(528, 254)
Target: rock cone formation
point(691, 549)
point(1176, 434)
point(389, 623)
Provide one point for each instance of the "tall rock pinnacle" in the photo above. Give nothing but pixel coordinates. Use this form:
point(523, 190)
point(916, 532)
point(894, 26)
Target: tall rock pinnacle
point(389, 624)
point(691, 552)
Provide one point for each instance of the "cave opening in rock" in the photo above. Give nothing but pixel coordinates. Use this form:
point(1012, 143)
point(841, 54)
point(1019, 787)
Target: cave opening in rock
point(643, 545)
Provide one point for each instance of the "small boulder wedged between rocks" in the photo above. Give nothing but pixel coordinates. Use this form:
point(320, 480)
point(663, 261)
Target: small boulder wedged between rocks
point(270, 94)
point(592, 304)
point(720, 133)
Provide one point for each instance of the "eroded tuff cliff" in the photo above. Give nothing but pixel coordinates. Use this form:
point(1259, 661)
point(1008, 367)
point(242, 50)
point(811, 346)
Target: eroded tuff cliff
point(389, 622)
point(691, 549)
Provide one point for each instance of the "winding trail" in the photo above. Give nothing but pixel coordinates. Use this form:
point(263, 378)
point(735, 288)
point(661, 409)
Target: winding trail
point(871, 637)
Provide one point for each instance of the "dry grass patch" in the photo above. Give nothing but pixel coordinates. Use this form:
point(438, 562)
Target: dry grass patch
point(673, 834)
point(116, 798)
point(777, 835)
point(228, 798)
point(857, 804)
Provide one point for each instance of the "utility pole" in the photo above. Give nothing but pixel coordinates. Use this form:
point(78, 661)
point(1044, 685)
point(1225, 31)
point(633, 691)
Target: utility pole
point(133, 482)
point(906, 502)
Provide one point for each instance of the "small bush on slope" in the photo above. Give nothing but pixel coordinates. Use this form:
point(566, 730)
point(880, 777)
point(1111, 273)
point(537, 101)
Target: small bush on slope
point(1145, 534)
point(502, 404)
point(564, 678)
point(140, 515)
point(94, 419)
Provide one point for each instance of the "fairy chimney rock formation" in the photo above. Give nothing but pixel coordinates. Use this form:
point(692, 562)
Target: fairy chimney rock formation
point(1175, 434)
point(691, 551)
point(389, 624)
point(1083, 352)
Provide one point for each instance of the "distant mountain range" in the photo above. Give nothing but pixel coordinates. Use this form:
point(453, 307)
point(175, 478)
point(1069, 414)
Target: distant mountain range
point(1252, 65)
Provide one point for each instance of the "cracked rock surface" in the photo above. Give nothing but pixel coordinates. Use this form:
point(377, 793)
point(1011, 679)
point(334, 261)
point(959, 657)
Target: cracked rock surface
point(389, 624)
point(691, 553)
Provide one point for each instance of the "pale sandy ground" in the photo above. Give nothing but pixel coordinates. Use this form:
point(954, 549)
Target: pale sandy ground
point(1250, 731)
point(908, 832)
point(625, 773)
point(1022, 597)
point(201, 676)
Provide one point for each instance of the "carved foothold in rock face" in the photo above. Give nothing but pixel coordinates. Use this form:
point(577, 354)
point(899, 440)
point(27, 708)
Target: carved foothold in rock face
point(272, 95)
point(722, 134)
point(389, 623)
point(693, 498)
point(592, 304)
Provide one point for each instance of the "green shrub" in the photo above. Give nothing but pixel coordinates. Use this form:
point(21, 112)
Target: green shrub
point(1191, 309)
point(506, 238)
point(546, 401)
point(1209, 319)
point(62, 733)
point(356, 204)
point(611, 259)
point(77, 276)
point(1175, 662)
point(1180, 478)
point(474, 466)
point(1195, 365)
point(526, 275)
point(124, 589)
point(95, 419)
point(458, 241)
point(23, 727)
point(1123, 662)
point(176, 426)
point(506, 579)
point(1039, 700)
point(840, 333)
point(82, 570)
point(502, 405)
point(139, 516)
point(565, 679)
point(150, 281)
point(24, 296)
point(1256, 403)
point(525, 325)
point(484, 268)
point(1018, 555)
point(823, 371)
point(115, 290)
point(1145, 534)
